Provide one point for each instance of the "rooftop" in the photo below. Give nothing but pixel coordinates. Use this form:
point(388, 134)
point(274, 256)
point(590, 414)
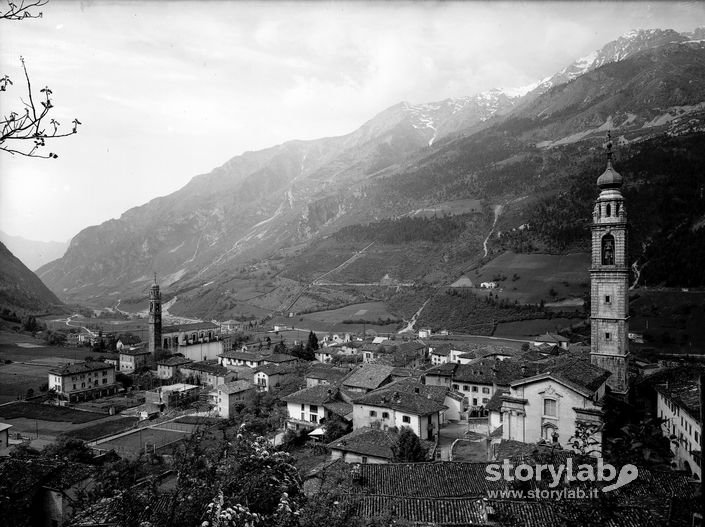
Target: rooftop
point(81, 367)
point(399, 400)
point(368, 376)
point(173, 361)
point(177, 328)
point(320, 394)
point(235, 387)
point(207, 367)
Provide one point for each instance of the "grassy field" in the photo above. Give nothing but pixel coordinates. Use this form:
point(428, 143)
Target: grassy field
point(537, 274)
point(529, 328)
point(16, 379)
point(89, 433)
point(46, 412)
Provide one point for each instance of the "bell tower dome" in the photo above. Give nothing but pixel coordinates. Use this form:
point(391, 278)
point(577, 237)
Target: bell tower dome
point(609, 280)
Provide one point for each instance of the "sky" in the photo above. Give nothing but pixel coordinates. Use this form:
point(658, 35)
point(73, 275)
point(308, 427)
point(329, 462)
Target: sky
point(171, 89)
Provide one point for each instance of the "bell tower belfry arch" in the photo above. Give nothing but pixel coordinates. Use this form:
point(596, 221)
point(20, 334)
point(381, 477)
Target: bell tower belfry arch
point(609, 280)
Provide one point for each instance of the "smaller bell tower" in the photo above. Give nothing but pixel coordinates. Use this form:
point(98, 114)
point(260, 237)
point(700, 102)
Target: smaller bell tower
point(609, 280)
point(155, 317)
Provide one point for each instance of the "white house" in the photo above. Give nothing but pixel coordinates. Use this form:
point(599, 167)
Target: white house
point(133, 359)
point(678, 404)
point(83, 380)
point(488, 285)
point(550, 406)
point(306, 408)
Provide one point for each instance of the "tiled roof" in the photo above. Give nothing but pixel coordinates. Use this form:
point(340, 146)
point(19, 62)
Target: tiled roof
point(189, 327)
point(135, 351)
point(81, 367)
point(207, 367)
point(278, 358)
point(235, 387)
point(340, 408)
point(327, 374)
point(576, 372)
point(274, 369)
point(551, 338)
point(682, 389)
point(442, 350)
point(489, 371)
point(320, 394)
point(173, 361)
point(367, 442)
point(436, 393)
point(443, 370)
point(395, 399)
point(242, 355)
point(368, 376)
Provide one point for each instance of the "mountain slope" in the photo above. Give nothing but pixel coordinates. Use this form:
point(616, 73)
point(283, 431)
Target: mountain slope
point(33, 253)
point(20, 288)
point(490, 149)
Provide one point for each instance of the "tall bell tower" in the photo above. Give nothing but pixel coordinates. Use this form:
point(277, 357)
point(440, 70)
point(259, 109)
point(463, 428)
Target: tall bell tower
point(155, 317)
point(609, 279)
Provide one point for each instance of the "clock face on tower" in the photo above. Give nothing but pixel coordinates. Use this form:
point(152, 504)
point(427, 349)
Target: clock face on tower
point(608, 249)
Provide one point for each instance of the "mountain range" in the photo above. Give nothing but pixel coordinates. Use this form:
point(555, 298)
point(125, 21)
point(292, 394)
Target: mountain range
point(275, 221)
point(33, 253)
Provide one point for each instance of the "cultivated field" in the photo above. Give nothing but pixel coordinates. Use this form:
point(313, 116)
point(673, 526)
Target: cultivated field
point(134, 443)
point(537, 274)
point(322, 322)
point(91, 432)
point(46, 412)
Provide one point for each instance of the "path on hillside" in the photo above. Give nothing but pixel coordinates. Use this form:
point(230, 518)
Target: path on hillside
point(315, 281)
point(410, 326)
point(497, 211)
point(68, 321)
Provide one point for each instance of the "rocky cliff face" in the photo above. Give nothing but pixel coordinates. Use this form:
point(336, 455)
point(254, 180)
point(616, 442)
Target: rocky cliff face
point(20, 289)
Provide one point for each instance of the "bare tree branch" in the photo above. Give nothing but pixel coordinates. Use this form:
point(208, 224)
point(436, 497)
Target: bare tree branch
point(29, 127)
point(22, 10)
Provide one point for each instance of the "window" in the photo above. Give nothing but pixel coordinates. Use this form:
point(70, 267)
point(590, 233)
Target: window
point(105, 381)
point(373, 413)
point(455, 386)
point(474, 401)
point(608, 335)
point(406, 419)
point(314, 418)
point(303, 416)
point(364, 459)
point(485, 400)
point(549, 407)
point(302, 407)
point(608, 249)
point(385, 415)
point(314, 409)
point(607, 299)
point(474, 388)
point(465, 387)
point(485, 390)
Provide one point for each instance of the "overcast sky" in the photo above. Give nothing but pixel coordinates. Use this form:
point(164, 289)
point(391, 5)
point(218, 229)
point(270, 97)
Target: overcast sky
point(168, 90)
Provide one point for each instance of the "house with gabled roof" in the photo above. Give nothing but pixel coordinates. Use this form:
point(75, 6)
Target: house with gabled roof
point(550, 405)
point(390, 407)
point(368, 445)
point(367, 377)
point(308, 407)
point(207, 373)
point(678, 404)
point(269, 376)
point(83, 380)
point(553, 339)
point(168, 368)
point(226, 396)
point(324, 374)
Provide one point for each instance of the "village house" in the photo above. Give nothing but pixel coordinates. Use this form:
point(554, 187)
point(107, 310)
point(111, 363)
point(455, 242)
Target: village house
point(172, 396)
point(389, 407)
point(551, 405)
point(83, 380)
point(439, 354)
point(488, 285)
point(269, 376)
point(553, 339)
point(168, 368)
point(319, 374)
point(343, 349)
point(111, 358)
point(134, 359)
point(226, 396)
point(241, 358)
point(367, 377)
point(678, 404)
point(368, 445)
point(207, 373)
point(391, 353)
point(454, 401)
point(4, 437)
point(306, 408)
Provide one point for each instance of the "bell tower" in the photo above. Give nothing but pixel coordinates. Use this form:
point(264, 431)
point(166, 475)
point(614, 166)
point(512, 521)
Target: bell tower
point(155, 317)
point(609, 280)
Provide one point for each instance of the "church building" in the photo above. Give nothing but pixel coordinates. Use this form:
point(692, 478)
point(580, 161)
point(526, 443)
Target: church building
point(609, 278)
